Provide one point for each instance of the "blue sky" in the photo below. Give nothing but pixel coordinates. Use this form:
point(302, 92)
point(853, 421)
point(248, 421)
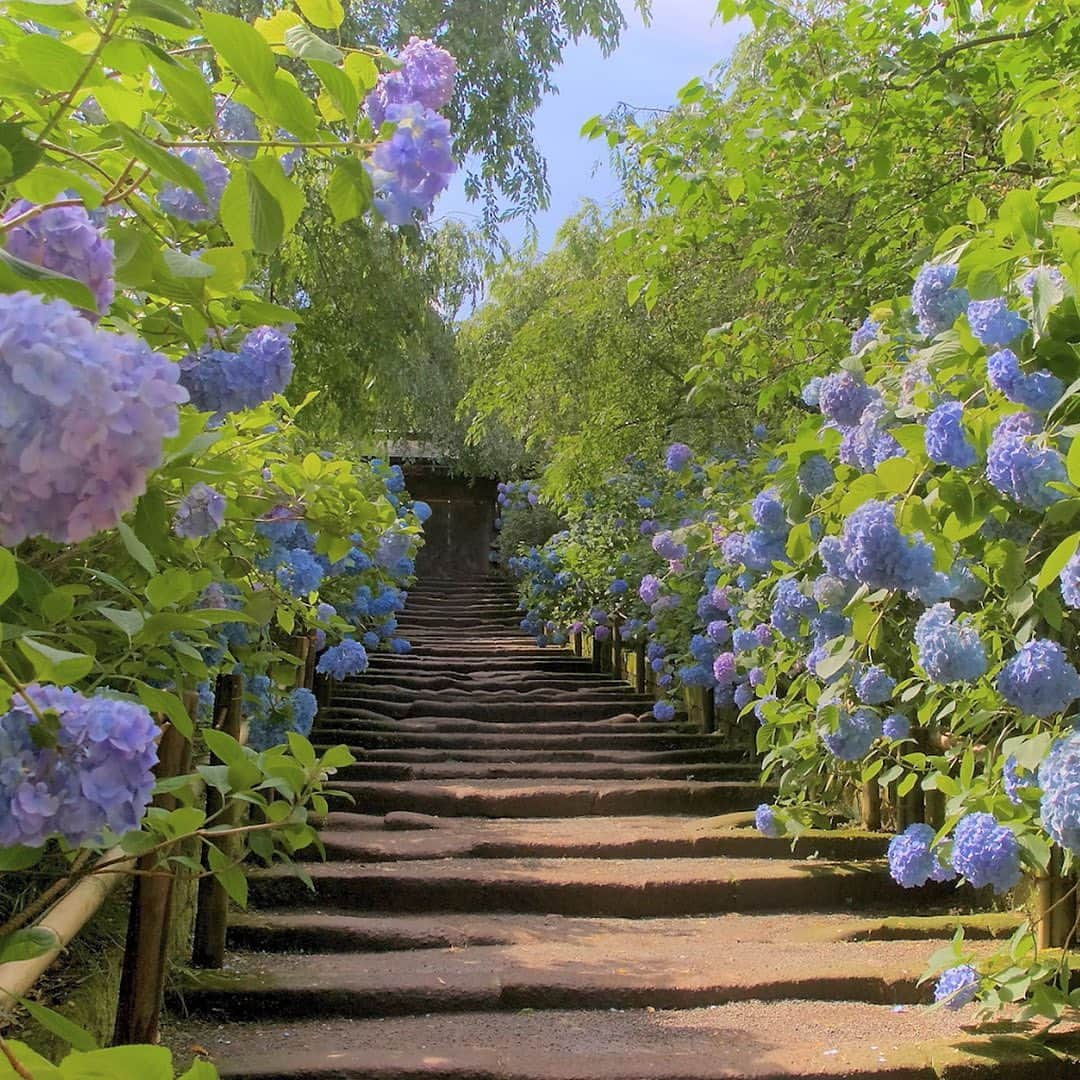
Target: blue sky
point(647, 69)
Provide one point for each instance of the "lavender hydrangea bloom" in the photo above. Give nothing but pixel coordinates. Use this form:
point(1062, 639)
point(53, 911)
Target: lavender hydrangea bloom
point(724, 668)
point(1020, 467)
point(865, 335)
point(843, 396)
point(768, 511)
point(811, 392)
point(866, 445)
point(1014, 777)
point(341, 661)
point(957, 987)
point(1038, 390)
point(878, 554)
point(936, 304)
point(677, 457)
point(64, 239)
point(299, 572)
point(875, 686)
point(986, 853)
point(411, 168)
point(649, 589)
point(187, 205)
point(664, 711)
point(815, 475)
point(83, 414)
point(200, 513)
point(854, 735)
point(221, 382)
point(426, 76)
point(946, 441)
point(912, 860)
point(1070, 582)
point(831, 592)
point(766, 823)
point(948, 651)
point(790, 608)
point(1039, 680)
point(400, 646)
point(897, 727)
point(236, 123)
point(993, 323)
point(1059, 778)
point(833, 558)
point(667, 547)
point(743, 695)
point(93, 772)
point(1048, 275)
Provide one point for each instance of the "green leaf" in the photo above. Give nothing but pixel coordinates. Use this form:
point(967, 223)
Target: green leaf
point(244, 49)
point(200, 1070)
point(174, 586)
point(159, 160)
point(23, 153)
point(265, 219)
point(328, 14)
point(55, 665)
point(19, 857)
point(136, 548)
point(9, 574)
point(76, 1037)
point(339, 86)
point(1072, 462)
point(174, 12)
point(27, 944)
point(896, 474)
point(223, 746)
point(55, 66)
point(168, 704)
point(188, 91)
point(17, 274)
point(180, 265)
point(1057, 559)
point(301, 41)
point(349, 192)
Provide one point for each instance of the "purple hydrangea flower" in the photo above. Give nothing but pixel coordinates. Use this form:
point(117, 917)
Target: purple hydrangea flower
point(343, 660)
point(200, 513)
point(187, 205)
point(743, 695)
point(221, 382)
point(766, 822)
point(986, 853)
point(815, 475)
point(878, 554)
point(426, 76)
point(411, 168)
point(854, 735)
point(649, 589)
point(865, 335)
point(64, 239)
point(957, 987)
point(936, 304)
point(1039, 680)
point(1059, 778)
point(867, 444)
point(677, 457)
point(875, 686)
point(1038, 390)
point(912, 859)
point(897, 727)
point(83, 413)
point(236, 122)
point(724, 668)
point(90, 771)
point(664, 711)
point(843, 396)
point(667, 547)
point(993, 323)
point(1070, 582)
point(948, 651)
point(946, 441)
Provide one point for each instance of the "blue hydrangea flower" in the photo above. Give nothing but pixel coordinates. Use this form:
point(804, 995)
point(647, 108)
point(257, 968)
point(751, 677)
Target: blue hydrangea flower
point(677, 457)
point(936, 304)
point(833, 557)
point(832, 593)
point(341, 661)
point(986, 853)
point(811, 392)
point(912, 859)
point(854, 735)
point(744, 640)
point(1070, 582)
point(298, 572)
point(946, 441)
point(957, 987)
point(878, 554)
point(411, 168)
point(221, 382)
point(277, 714)
point(958, 584)
point(843, 396)
point(200, 513)
point(948, 651)
point(664, 711)
point(790, 608)
point(426, 75)
point(1014, 777)
point(1020, 467)
point(766, 822)
point(1059, 778)
point(83, 413)
point(897, 727)
point(1039, 680)
point(865, 335)
point(868, 443)
point(667, 547)
point(421, 510)
point(1039, 390)
point(768, 511)
point(65, 240)
point(400, 646)
point(236, 123)
point(815, 475)
point(875, 686)
point(91, 772)
point(618, 587)
point(187, 205)
point(993, 323)
point(743, 695)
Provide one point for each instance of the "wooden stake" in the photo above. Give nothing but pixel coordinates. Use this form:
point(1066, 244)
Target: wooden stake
point(309, 666)
point(142, 979)
point(639, 668)
point(870, 804)
point(211, 920)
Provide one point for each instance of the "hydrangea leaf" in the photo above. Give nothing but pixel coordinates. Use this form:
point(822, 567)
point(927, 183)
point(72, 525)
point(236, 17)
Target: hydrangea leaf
point(55, 665)
point(328, 14)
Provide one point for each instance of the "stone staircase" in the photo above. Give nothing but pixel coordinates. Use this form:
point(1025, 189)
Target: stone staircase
point(537, 880)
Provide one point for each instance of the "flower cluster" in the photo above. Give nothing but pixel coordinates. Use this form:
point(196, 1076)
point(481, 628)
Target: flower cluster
point(343, 660)
point(1059, 778)
point(1039, 680)
point(83, 414)
point(948, 651)
point(189, 205)
point(986, 853)
point(200, 513)
point(273, 714)
point(74, 766)
point(221, 382)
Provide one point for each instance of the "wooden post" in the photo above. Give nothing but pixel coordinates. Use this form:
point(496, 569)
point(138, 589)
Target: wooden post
point(870, 805)
point(211, 920)
point(299, 646)
point(142, 979)
point(309, 665)
point(616, 652)
point(639, 668)
point(1055, 908)
point(579, 648)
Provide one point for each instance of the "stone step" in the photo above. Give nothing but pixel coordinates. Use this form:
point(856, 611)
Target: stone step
point(668, 966)
point(702, 770)
point(557, 662)
point(317, 932)
point(522, 712)
point(373, 838)
point(615, 757)
point(366, 737)
point(621, 888)
point(370, 719)
point(555, 798)
point(743, 1041)
point(487, 692)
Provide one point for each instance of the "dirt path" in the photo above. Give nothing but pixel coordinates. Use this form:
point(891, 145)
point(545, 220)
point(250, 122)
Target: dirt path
point(538, 881)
